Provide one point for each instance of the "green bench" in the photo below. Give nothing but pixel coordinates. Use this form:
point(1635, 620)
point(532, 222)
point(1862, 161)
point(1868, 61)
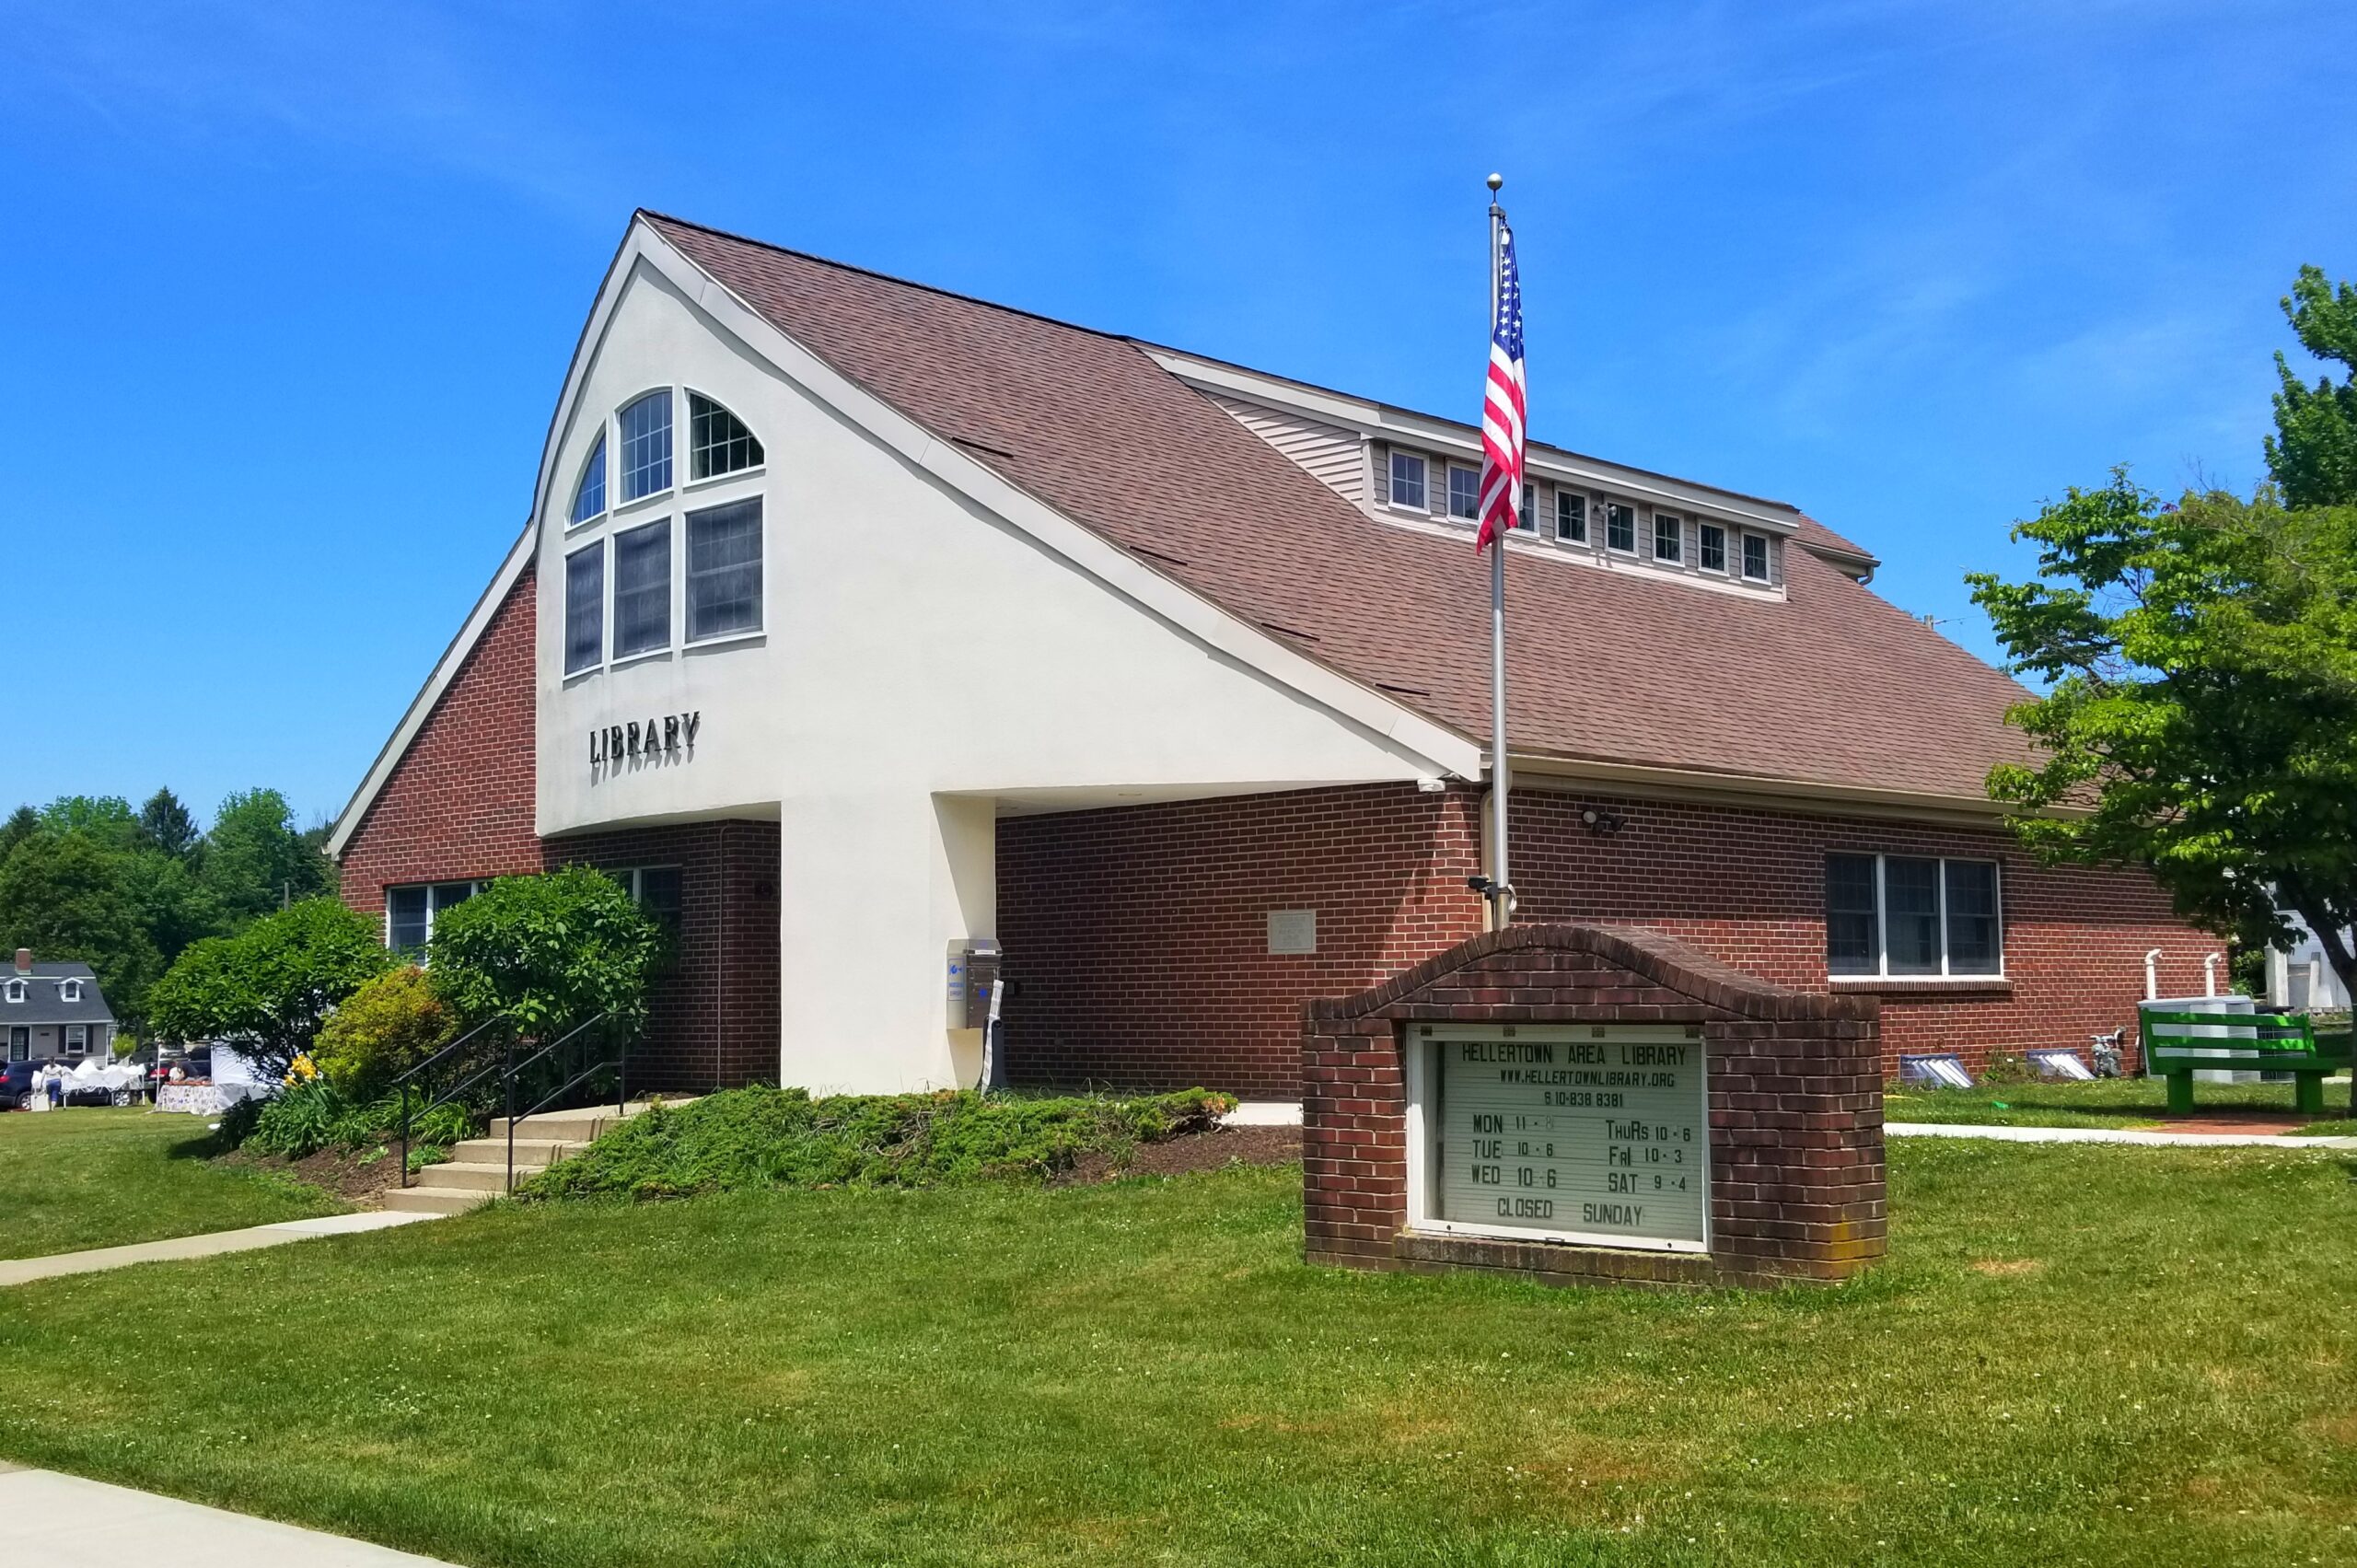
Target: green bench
point(2180, 1044)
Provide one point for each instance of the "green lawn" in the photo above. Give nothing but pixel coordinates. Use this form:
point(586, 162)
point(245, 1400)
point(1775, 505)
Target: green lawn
point(2077, 1354)
point(2106, 1102)
point(71, 1179)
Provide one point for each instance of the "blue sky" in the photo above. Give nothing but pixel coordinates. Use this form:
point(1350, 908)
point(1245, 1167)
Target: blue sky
point(289, 288)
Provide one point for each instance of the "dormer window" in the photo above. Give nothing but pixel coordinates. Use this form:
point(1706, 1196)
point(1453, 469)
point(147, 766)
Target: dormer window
point(1621, 528)
point(1570, 517)
point(1754, 557)
point(1710, 546)
point(1464, 492)
point(1408, 479)
point(646, 444)
point(718, 442)
point(16, 990)
point(589, 494)
point(1669, 536)
point(69, 991)
point(1526, 519)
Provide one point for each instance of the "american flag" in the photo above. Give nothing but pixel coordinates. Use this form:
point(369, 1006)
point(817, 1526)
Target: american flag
point(1503, 408)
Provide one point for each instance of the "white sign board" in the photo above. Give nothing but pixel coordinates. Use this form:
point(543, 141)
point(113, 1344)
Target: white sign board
point(1593, 1133)
point(1293, 931)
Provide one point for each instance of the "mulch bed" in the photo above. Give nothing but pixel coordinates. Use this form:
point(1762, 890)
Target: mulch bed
point(1213, 1150)
point(350, 1177)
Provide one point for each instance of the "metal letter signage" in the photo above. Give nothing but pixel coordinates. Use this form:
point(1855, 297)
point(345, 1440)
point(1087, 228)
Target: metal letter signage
point(1593, 1133)
point(643, 743)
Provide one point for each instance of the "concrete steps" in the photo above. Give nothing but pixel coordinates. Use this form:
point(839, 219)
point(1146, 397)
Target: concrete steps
point(477, 1169)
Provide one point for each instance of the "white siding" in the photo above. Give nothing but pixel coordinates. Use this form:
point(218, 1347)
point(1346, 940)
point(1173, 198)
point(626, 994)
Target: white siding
point(1333, 455)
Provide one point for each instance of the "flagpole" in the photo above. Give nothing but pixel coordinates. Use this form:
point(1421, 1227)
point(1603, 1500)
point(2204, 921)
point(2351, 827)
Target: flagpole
point(1501, 891)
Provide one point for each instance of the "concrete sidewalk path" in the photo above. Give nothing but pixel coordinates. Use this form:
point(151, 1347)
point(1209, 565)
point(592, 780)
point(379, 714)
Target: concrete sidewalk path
point(2109, 1136)
point(22, 1271)
point(62, 1521)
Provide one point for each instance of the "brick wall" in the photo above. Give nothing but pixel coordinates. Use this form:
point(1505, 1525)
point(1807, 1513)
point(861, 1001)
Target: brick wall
point(713, 1014)
point(1138, 935)
point(460, 801)
point(1795, 1095)
point(460, 805)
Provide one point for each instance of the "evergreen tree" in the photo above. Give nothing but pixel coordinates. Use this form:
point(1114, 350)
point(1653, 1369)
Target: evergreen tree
point(2313, 454)
point(166, 825)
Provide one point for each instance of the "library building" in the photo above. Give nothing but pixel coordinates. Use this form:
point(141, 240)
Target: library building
point(874, 635)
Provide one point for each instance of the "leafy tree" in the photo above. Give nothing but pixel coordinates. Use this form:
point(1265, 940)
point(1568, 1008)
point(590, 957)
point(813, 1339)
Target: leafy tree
point(255, 859)
point(268, 988)
point(106, 818)
point(61, 895)
point(549, 952)
point(23, 824)
point(2313, 453)
point(393, 1023)
point(165, 825)
point(2200, 710)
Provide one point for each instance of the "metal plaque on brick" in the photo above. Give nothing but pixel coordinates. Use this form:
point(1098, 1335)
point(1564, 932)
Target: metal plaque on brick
point(1594, 1133)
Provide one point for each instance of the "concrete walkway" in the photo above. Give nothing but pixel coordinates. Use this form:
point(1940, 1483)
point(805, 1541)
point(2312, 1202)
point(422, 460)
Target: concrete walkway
point(2107, 1136)
point(62, 1521)
point(22, 1271)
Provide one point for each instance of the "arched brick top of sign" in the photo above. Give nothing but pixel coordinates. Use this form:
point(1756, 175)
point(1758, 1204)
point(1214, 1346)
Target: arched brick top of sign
point(1647, 954)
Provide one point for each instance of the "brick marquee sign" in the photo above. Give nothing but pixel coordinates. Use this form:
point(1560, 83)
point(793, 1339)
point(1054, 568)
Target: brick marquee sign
point(1592, 1104)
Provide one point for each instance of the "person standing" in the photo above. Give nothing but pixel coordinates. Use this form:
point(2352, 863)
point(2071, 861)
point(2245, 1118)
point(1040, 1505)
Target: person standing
point(56, 1087)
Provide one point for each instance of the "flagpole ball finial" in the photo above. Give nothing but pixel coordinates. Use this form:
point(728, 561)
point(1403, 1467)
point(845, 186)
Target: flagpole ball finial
point(1495, 182)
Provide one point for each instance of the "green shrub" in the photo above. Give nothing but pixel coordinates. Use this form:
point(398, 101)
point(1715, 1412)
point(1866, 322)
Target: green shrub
point(766, 1137)
point(388, 1025)
point(547, 952)
point(314, 1115)
point(268, 988)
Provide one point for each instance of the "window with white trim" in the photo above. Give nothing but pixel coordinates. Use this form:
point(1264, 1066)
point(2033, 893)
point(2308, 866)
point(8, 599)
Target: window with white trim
point(1669, 534)
point(1710, 546)
point(1570, 517)
point(16, 990)
point(718, 442)
point(725, 570)
point(589, 494)
point(1525, 516)
point(77, 1040)
point(410, 912)
point(656, 889)
point(1619, 527)
point(69, 991)
point(1408, 479)
point(1902, 916)
point(1464, 492)
point(643, 589)
point(1754, 557)
point(584, 608)
point(646, 444)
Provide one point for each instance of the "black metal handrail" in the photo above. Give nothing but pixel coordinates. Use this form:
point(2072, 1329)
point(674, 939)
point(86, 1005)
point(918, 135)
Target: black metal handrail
point(447, 1096)
point(618, 1061)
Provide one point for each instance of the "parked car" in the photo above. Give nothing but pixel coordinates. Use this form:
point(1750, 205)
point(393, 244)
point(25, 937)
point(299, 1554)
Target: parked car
point(17, 1084)
point(98, 1094)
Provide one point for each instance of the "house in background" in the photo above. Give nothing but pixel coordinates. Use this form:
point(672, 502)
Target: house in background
point(53, 1010)
point(2300, 978)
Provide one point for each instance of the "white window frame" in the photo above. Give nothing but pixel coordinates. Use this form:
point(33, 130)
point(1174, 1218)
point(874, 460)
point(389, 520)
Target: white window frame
point(673, 598)
point(77, 1040)
point(686, 401)
point(1629, 549)
point(69, 991)
point(1423, 466)
point(615, 502)
point(1565, 498)
point(1475, 473)
point(1703, 528)
point(605, 609)
point(1880, 975)
point(16, 990)
point(1677, 556)
point(1767, 559)
point(598, 446)
point(473, 884)
point(684, 543)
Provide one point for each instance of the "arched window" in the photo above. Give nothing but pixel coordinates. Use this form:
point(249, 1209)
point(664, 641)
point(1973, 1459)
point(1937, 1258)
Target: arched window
point(718, 442)
point(589, 494)
point(646, 444)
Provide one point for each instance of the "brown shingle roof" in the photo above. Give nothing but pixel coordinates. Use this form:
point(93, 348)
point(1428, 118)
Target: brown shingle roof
point(1833, 685)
